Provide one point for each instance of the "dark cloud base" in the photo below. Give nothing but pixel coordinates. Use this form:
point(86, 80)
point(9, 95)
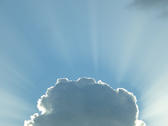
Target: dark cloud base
point(159, 6)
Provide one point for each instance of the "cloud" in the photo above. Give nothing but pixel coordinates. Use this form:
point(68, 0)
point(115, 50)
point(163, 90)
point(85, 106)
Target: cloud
point(151, 3)
point(85, 102)
point(158, 5)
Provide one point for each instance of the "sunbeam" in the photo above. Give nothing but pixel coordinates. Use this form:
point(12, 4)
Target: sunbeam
point(94, 21)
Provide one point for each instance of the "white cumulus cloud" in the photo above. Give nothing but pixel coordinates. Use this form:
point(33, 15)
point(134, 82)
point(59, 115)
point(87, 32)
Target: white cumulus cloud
point(85, 102)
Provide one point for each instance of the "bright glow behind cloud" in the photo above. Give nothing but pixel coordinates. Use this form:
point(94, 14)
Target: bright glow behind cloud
point(13, 109)
point(156, 102)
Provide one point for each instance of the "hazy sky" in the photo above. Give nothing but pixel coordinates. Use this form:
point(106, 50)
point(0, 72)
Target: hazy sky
point(123, 43)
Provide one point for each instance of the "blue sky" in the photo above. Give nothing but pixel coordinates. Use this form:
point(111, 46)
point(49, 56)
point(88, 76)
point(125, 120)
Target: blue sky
point(111, 41)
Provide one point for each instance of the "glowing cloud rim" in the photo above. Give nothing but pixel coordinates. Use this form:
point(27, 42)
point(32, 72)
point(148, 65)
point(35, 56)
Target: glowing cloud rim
point(47, 104)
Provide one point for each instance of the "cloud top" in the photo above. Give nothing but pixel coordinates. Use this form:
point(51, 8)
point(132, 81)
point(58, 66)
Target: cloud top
point(85, 102)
